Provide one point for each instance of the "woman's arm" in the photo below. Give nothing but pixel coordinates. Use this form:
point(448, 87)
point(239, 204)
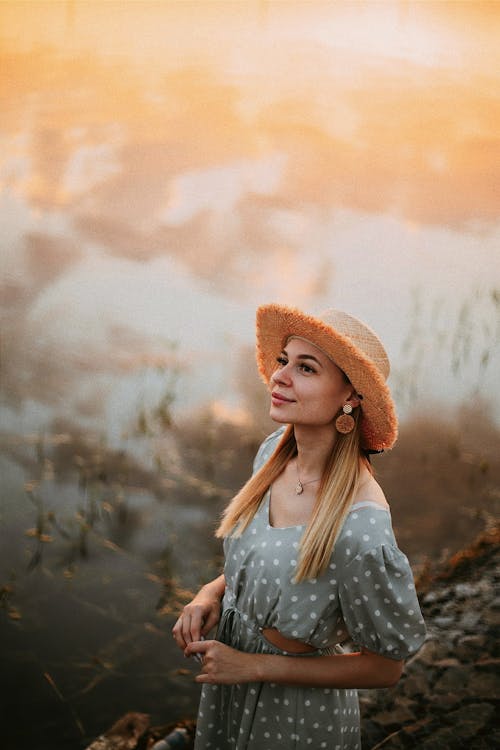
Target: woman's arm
point(201, 614)
point(365, 669)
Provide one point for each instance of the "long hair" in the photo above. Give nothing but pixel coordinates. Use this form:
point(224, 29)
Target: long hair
point(338, 484)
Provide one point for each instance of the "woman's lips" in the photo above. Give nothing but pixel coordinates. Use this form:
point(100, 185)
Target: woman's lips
point(277, 398)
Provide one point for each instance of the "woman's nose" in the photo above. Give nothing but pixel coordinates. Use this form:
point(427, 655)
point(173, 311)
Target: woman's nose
point(281, 375)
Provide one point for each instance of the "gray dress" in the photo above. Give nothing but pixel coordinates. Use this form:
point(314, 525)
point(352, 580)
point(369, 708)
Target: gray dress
point(366, 598)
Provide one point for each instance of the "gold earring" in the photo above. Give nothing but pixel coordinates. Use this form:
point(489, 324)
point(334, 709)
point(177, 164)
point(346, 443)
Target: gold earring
point(345, 423)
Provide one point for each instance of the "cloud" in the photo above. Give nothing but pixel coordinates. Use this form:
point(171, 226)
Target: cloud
point(31, 368)
point(422, 152)
point(40, 261)
point(256, 155)
point(46, 354)
point(419, 142)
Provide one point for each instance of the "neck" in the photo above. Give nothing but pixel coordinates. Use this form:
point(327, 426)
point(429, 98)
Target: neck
point(314, 446)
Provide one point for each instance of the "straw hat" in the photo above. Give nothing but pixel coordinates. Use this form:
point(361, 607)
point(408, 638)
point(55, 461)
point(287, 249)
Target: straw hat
point(352, 346)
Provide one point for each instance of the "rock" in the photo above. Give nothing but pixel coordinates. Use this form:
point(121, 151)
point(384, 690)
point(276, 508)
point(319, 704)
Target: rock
point(452, 681)
point(125, 734)
point(395, 741)
point(489, 664)
point(366, 702)
point(484, 685)
point(469, 621)
point(444, 622)
point(449, 607)
point(451, 661)
point(470, 647)
point(178, 739)
point(436, 596)
point(443, 702)
point(453, 636)
point(485, 743)
point(133, 732)
point(399, 715)
point(403, 738)
point(431, 651)
point(492, 618)
point(466, 590)
point(417, 684)
point(372, 734)
point(471, 719)
point(442, 739)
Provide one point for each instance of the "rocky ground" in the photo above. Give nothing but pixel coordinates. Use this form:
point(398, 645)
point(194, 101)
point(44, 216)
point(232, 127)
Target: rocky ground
point(448, 696)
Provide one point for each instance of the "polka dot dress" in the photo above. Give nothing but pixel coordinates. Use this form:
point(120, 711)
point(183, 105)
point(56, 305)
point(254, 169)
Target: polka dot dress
point(366, 598)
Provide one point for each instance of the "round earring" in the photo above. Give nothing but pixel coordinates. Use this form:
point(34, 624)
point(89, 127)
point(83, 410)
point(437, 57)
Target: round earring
point(345, 423)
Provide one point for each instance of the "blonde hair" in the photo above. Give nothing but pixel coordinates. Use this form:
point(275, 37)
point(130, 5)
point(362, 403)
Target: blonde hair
point(337, 487)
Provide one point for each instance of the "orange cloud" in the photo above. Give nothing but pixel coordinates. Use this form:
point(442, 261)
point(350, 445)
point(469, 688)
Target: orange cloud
point(355, 132)
point(423, 152)
point(421, 142)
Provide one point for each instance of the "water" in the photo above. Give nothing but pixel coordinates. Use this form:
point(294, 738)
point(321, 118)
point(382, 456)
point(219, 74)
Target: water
point(88, 603)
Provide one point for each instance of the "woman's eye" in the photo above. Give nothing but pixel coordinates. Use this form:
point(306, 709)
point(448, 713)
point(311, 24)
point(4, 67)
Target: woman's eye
point(301, 366)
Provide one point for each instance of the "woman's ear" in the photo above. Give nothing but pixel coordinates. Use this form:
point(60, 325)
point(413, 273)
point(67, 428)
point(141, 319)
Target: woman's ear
point(354, 400)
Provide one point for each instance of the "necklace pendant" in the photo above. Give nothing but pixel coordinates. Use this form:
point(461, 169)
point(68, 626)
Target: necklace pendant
point(299, 488)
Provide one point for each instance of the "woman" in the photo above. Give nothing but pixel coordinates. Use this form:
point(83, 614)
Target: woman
point(316, 599)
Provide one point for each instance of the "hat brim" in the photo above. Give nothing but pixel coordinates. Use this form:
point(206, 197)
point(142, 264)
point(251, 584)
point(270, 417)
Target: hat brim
point(275, 325)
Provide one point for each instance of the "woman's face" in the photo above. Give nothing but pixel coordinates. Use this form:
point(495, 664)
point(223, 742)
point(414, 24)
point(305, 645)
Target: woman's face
point(306, 387)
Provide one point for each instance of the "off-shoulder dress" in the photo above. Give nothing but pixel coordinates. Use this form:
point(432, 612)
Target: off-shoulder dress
point(366, 598)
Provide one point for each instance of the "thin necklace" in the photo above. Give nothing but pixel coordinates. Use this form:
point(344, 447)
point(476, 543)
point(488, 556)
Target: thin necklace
point(299, 487)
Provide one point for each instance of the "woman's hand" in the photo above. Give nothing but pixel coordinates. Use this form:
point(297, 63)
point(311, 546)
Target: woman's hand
point(200, 615)
point(221, 664)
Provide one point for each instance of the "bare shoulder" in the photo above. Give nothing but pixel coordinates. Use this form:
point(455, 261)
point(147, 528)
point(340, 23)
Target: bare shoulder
point(370, 490)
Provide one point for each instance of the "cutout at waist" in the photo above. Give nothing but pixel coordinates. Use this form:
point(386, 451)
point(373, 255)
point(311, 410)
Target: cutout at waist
point(292, 645)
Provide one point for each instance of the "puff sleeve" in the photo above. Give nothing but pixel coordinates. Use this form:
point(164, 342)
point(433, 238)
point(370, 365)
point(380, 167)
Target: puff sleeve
point(379, 603)
point(267, 448)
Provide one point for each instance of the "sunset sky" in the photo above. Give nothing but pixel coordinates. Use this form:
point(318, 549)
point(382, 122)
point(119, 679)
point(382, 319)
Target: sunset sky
point(165, 167)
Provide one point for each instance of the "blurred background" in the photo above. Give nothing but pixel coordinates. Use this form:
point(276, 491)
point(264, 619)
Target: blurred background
point(165, 168)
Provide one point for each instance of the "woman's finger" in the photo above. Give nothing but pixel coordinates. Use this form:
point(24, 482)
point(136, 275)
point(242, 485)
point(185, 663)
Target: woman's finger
point(177, 634)
point(196, 625)
point(191, 624)
point(210, 622)
point(197, 647)
point(186, 630)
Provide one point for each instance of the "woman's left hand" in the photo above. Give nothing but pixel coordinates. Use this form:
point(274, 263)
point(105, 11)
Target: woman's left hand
point(221, 664)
